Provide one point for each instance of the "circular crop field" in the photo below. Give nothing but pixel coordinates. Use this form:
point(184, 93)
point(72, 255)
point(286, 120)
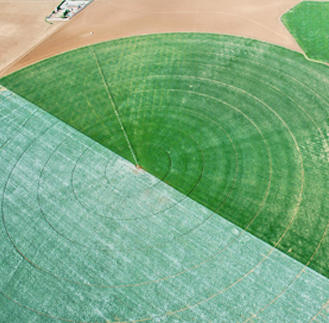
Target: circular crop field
point(230, 136)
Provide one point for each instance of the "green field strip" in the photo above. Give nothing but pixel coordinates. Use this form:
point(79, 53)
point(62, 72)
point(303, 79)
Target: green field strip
point(238, 125)
point(308, 24)
point(86, 237)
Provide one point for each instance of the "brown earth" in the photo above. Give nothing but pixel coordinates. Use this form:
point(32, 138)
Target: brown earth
point(109, 19)
point(22, 25)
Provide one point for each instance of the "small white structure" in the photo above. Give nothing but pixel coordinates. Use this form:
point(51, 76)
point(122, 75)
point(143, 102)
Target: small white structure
point(67, 9)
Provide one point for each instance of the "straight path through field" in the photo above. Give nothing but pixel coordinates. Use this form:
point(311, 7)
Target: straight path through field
point(115, 108)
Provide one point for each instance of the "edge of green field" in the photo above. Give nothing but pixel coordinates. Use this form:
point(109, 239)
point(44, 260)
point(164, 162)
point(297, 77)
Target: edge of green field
point(308, 24)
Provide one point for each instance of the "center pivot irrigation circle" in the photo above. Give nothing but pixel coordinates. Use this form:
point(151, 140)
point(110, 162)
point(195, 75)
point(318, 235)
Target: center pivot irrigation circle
point(146, 197)
point(222, 127)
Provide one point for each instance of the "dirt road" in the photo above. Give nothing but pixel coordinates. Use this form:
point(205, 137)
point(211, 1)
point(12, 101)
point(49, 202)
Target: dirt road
point(109, 19)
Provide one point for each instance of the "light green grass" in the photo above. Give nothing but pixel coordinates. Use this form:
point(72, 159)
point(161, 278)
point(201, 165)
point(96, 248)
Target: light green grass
point(238, 125)
point(84, 237)
point(308, 23)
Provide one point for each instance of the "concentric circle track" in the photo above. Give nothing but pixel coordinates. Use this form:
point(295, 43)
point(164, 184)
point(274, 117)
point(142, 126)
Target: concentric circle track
point(225, 221)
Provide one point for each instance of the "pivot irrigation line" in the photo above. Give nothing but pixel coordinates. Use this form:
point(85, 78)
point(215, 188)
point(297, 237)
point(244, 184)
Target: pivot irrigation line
point(115, 108)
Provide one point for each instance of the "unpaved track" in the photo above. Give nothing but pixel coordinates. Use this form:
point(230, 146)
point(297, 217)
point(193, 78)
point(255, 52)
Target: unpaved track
point(109, 19)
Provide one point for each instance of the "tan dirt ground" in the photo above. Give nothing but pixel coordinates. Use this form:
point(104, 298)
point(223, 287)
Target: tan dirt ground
point(109, 19)
point(22, 26)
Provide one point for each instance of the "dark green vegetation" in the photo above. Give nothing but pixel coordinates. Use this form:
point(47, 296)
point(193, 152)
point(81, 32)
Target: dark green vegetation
point(238, 125)
point(308, 22)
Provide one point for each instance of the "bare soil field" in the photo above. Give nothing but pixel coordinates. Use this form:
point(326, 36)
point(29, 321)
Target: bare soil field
point(104, 20)
point(22, 26)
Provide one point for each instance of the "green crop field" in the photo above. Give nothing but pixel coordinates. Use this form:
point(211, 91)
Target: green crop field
point(237, 128)
point(308, 23)
point(86, 237)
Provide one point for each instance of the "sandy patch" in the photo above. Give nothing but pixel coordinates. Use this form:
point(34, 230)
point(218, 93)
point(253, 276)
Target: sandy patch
point(22, 26)
point(109, 19)
point(8, 30)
